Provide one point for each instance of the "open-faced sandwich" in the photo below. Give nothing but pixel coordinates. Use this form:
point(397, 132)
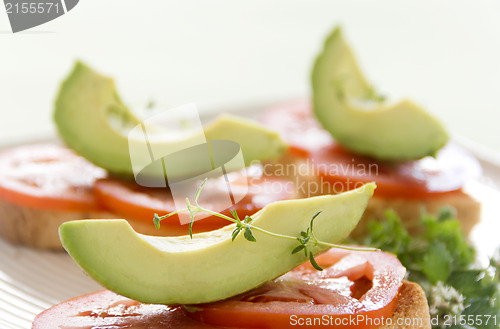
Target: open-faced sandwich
point(349, 135)
point(227, 278)
point(236, 277)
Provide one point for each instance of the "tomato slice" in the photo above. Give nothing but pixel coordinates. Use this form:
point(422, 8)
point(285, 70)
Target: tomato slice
point(48, 176)
point(343, 170)
point(141, 203)
point(426, 178)
point(354, 285)
point(105, 309)
point(356, 289)
point(297, 126)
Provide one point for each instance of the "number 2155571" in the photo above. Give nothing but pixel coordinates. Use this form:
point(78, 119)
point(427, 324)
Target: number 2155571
point(32, 7)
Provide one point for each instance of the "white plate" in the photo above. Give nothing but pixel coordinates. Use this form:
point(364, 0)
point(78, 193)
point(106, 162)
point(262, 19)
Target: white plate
point(31, 281)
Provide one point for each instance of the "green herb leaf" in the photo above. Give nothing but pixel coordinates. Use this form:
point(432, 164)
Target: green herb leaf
point(235, 214)
point(191, 227)
point(236, 231)
point(437, 263)
point(313, 218)
point(249, 235)
point(482, 295)
point(298, 248)
point(446, 214)
point(448, 231)
point(389, 235)
point(438, 257)
point(473, 283)
point(248, 220)
point(313, 262)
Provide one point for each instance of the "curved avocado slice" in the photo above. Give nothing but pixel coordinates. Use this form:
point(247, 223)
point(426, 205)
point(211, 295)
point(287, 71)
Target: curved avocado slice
point(348, 107)
point(89, 115)
point(256, 142)
point(91, 119)
point(210, 267)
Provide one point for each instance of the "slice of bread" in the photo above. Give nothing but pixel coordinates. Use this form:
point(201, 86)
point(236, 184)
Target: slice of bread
point(468, 210)
point(38, 228)
point(411, 312)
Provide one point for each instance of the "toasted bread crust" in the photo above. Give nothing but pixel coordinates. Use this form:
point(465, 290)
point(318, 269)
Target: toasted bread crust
point(468, 210)
point(38, 228)
point(412, 311)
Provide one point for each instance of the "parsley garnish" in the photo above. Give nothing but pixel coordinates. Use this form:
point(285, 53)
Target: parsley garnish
point(443, 263)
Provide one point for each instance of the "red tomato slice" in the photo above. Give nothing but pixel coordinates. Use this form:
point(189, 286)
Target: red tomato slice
point(47, 176)
point(354, 290)
point(137, 202)
point(297, 126)
point(354, 285)
point(105, 309)
point(425, 178)
point(344, 170)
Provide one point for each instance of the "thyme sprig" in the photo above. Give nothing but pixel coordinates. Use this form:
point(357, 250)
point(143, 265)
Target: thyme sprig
point(240, 226)
point(307, 238)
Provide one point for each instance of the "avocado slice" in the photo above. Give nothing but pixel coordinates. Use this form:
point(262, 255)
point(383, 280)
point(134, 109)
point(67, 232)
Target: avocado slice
point(92, 119)
point(209, 267)
point(349, 108)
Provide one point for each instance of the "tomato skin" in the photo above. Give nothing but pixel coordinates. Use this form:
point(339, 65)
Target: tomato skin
point(277, 308)
point(141, 203)
point(113, 194)
point(48, 176)
point(425, 178)
point(105, 309)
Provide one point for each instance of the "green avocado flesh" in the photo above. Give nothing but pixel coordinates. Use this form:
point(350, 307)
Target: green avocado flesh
point(347, 106)
point(209, 267)
point(92, 120)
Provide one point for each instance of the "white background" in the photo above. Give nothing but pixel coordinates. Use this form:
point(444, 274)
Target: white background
point(444, 54)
